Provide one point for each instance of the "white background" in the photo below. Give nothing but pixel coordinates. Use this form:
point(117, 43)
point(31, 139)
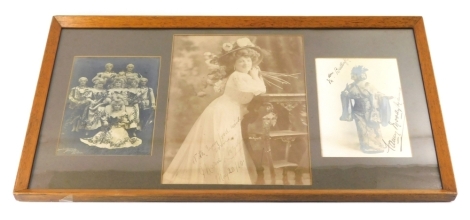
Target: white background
point(383, 75)
point(25, 26)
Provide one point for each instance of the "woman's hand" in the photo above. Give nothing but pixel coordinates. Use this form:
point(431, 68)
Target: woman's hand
point(254, 72)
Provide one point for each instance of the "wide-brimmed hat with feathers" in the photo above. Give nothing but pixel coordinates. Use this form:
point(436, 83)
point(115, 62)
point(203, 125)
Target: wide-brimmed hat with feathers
point(224, 58)
point(219, 64)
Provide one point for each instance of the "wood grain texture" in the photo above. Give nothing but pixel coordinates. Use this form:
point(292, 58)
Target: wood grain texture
point(234, 22)
point(37, 111)
point(236, 195)
point(22, 193)
point(434, 107)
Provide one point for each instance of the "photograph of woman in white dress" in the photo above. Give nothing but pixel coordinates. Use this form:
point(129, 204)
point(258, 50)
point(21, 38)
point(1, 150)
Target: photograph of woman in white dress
point(213, 150)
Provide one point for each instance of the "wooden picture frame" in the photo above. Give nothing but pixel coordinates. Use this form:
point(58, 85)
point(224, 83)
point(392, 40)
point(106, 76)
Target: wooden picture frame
point(445, 192)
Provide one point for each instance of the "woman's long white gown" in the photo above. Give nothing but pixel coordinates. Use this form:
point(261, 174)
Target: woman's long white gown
point(213, 151)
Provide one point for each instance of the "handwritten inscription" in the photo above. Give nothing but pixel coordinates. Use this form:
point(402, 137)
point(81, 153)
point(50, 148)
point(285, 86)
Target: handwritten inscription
point(225, 176)
point(224, 158)
point(199, 155)
point(336, 71)
point(395, 142)
point(225, 137)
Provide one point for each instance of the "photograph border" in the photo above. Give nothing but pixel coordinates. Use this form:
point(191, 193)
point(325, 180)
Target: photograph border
point(66, 104)
point(169, 89)
point(324, 132)
point(416, 23)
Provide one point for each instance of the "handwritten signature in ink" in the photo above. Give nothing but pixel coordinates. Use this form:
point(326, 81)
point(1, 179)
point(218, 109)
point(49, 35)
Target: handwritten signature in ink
point(396, 140)
point(336, 71)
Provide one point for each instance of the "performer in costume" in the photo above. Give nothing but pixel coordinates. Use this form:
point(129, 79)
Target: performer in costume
point(126, 75)
point(147, 104)
point(79, 99)
point(95, 109)
point(369, 110)
point(213, 151)
point(107, 75)
point(114, 134)
point(134, 94)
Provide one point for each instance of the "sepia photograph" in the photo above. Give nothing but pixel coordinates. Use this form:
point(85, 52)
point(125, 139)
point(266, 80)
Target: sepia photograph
point(110, 108)
point(361, 108)
point(237, 111)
